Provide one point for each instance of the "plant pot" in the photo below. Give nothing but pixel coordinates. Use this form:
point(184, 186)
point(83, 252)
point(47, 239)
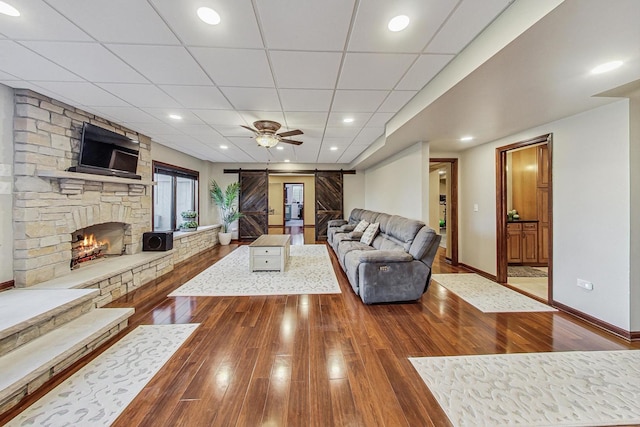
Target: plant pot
point(188, 228)
point(224, 238)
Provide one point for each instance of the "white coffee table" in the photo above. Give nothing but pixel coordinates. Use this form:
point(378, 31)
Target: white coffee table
point(269, 252)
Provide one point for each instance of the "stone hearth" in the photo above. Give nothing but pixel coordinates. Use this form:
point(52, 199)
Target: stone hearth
point(50, 204)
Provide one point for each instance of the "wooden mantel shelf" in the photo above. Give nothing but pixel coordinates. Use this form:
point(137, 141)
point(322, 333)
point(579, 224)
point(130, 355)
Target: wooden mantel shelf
point(91, 177)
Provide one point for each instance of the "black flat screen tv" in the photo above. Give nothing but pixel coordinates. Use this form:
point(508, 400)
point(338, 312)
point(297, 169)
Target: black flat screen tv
point(104, 152)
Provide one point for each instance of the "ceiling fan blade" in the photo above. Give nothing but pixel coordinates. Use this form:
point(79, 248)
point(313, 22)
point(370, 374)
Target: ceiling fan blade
point(248, 128)
point(291, 141)
point(290, 133)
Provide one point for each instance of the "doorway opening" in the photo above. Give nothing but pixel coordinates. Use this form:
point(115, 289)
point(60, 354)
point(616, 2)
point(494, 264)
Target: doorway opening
point(293, 196)
point(443, 204)
point(524, 216)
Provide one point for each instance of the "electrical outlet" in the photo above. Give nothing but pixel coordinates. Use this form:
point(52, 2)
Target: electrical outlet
point(475, 207)
point(585, 285)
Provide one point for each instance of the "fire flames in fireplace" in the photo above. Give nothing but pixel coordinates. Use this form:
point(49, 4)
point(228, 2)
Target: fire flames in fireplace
point(87, 248)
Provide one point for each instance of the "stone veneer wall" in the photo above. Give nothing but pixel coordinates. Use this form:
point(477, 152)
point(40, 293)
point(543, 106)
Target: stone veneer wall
point(47, 210)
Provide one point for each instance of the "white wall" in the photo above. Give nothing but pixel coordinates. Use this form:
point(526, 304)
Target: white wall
point(354, 192)
point(400, 184)
point(634, 165)
point(208, 214)
point(591, 209)
point(6, 183)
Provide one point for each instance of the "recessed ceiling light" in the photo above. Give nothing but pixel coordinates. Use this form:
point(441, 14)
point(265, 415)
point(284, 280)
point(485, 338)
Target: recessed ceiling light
point(224, 147)
point(208, 15)
point(279, 147)
point(175, 117)
point(441, 172)
point(348, 120)
point(286, 160)
point(398, 23)
point(466, 138)
point(333, 148)
point(7, 9)
point(609, 66)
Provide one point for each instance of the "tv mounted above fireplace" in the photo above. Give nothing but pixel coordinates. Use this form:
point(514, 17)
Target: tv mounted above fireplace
point(104, 152)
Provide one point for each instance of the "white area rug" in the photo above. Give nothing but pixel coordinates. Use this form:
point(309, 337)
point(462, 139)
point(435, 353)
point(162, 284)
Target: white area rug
point(309, 271)
point(536, 389)
point(488, 296)
point(98, 393)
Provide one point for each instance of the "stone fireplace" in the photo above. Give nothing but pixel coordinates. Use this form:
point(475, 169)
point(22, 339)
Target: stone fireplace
point(51, 205)
point(97, 242)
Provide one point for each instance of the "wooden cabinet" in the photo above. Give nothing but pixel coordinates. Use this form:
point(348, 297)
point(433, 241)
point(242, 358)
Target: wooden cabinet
point(522, 243)
point(543, 224)
point(542, 176)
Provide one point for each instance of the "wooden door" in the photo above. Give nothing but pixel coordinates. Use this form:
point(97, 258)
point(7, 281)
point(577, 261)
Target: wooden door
point(543, 224)
point(254, 204)
point(514, 243)
point(329, 194)
point(530, 243)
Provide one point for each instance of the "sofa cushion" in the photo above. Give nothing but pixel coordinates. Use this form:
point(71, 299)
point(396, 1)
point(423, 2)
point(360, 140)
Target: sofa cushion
point(347, 246)
point(370, 233)
point(362, 226)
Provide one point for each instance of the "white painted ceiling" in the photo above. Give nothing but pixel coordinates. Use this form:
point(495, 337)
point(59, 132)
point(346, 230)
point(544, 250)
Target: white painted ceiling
point(306, 64)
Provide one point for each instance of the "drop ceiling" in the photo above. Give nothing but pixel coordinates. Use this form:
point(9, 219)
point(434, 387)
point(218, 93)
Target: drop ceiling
point(306, 64)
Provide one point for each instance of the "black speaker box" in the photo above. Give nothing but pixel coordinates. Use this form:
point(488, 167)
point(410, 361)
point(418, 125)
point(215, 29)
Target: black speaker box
point(157, 241)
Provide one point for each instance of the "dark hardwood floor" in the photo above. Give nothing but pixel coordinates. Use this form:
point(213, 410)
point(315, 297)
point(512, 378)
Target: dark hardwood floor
point(319, 360)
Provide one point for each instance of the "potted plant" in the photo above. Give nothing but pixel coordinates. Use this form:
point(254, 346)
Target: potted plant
point(189, 222)
point(226, 200)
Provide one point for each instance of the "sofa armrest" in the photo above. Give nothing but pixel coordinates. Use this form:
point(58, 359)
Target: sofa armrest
point(385, 256)
point(347, 228)
point(336, 222)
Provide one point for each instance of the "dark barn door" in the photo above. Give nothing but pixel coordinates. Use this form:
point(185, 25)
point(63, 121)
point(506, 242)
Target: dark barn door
point(254, 204)
point(329, 193)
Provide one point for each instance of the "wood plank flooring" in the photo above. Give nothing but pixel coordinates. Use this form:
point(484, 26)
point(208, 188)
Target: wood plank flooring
point(319, 360)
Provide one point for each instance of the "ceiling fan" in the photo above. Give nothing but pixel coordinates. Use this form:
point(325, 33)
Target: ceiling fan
point(266, 136)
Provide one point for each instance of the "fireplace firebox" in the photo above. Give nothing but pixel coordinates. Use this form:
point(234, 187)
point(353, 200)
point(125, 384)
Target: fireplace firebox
point(97, 242)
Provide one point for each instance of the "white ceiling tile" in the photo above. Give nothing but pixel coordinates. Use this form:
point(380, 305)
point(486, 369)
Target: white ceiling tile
point(301, 119)
point(7, 76)
point(368, 135)
point(20, 61)
point(306, 70)
point(259, 99)
point(358, 70)
point(233, 131)
point(128, 115)
point(305, 25)
point(38, 21)
point(341, 132)
point(469, 19)
point(351, 153)
point(219, 117)
point(237, 28)
point(89, 60)
point(158, 128)
point(162, 114)
point(235, 67)
point(423, 70)
point(359, 120)
point(370, 32)
point(197, 96)
point(85, 94)
point(379, 119)
point(358, 101)
point(141, 95)
point(396, 100)
point(203, 133)
point(306, 99)
point(162, 64)
point(117, 21)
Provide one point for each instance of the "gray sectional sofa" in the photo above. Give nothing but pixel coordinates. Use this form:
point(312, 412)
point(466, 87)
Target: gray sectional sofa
point(396, 266)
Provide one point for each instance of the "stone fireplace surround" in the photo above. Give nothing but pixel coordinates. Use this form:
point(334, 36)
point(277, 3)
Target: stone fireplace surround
point(50, 204)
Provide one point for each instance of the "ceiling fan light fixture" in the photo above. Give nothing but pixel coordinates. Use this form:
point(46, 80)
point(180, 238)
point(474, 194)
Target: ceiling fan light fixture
point(208, 15)
point(267, 140)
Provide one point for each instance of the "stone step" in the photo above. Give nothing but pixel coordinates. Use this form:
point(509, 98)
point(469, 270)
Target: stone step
point(26, 368)
point(26, 314)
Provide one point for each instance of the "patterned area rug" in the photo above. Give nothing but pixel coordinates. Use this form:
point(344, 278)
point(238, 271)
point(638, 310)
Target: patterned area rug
point(524, 271)
point(536, 389)
point(309, 271)
point(488, 296)
point(98, 393)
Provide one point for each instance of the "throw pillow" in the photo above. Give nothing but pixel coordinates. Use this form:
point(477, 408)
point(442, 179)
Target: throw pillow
point(362, 225)
point(370, 233)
